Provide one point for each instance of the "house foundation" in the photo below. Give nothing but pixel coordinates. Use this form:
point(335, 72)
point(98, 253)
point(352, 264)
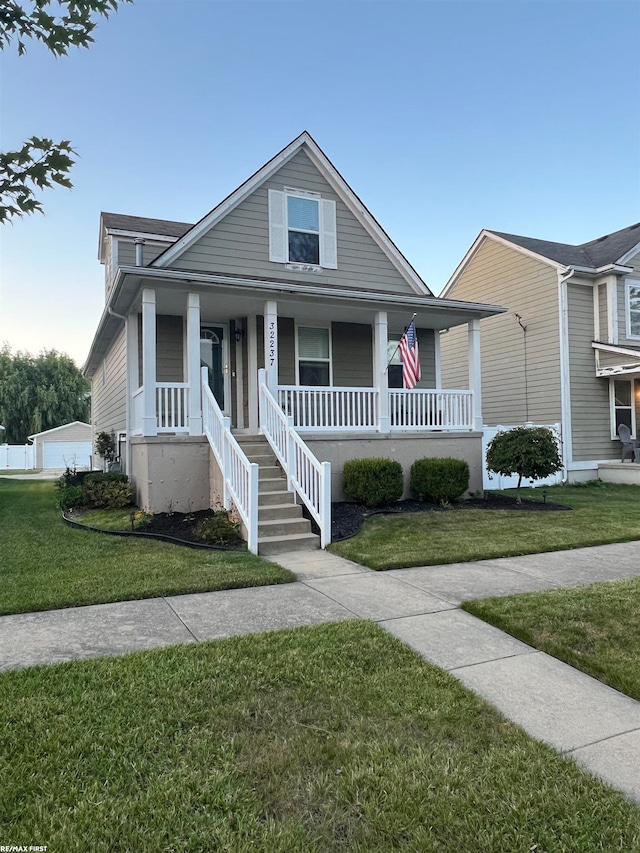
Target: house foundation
point(171, 473)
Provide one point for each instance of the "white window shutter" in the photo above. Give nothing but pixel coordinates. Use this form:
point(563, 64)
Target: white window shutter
point(328, 237)
point(277, 227)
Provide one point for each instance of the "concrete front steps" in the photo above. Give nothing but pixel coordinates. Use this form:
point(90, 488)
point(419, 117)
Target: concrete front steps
point(281, 525)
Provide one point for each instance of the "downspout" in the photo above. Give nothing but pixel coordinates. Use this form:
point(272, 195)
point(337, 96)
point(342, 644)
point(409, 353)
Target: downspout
point(565, 387)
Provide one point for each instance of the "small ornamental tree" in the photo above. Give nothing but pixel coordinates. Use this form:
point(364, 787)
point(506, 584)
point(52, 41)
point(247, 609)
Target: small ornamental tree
point(106, 447)
point(529, 452)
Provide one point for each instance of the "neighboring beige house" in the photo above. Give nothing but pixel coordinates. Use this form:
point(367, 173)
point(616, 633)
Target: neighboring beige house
point(568, 349)
point(263, 333)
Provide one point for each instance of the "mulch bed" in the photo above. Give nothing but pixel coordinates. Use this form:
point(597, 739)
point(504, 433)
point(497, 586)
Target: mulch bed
point(174, 527)
point(347, 518)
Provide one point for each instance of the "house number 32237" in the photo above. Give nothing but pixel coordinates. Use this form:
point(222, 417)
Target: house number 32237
point(272, 343)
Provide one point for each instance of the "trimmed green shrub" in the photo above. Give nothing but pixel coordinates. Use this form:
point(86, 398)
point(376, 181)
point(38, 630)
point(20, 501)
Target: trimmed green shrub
point(106, 493)
point(70, 496)
point(373, 482)
point(218, 529)
point(106, 477)
point(439, 480)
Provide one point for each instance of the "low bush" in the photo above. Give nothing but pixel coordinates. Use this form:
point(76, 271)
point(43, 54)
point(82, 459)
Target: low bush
point(373, 482)
point(107, 492)
point(439, 480)
point(70, 497)
point(218, 529)
point(106, 477)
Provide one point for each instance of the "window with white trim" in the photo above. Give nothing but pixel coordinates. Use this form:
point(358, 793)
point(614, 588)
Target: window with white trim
point(633, 309)
point(394, 370)
point(314, 355)
point(622, 405)
point(302, 230)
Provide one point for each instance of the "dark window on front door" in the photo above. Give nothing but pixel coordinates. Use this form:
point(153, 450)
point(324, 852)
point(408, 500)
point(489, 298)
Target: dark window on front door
point(212, 357)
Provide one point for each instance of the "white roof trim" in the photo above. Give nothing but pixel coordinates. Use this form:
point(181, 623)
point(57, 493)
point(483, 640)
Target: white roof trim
point(628, 255)
point(332, 176)
point(56, 429)
point(151, 238)
point(616, 350)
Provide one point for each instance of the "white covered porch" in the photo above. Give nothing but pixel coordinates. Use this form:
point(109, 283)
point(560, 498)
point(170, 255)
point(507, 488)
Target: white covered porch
point(252, 340)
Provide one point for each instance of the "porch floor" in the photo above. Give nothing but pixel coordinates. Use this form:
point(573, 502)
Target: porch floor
point(619, 472)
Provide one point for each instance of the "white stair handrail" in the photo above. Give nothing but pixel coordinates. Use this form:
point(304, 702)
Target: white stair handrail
point(306, 475)
point(240, 477)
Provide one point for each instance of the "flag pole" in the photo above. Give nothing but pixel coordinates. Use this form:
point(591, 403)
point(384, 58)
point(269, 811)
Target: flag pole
point(398, 347)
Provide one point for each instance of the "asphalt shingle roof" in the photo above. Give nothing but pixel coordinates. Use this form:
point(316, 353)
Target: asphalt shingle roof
point(596, 253)
point(144, 225)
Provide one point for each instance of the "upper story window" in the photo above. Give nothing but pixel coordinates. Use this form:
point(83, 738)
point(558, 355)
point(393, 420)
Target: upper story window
point(302, 230)
point(633, 309)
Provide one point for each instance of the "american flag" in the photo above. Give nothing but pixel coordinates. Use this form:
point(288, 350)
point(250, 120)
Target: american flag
point(410, 357)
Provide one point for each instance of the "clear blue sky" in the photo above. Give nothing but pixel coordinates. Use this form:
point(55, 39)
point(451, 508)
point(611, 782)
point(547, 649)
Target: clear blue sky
point(444, 117)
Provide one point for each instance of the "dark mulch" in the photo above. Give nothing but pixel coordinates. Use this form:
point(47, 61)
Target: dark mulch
point(176, 527)
point(347, 518)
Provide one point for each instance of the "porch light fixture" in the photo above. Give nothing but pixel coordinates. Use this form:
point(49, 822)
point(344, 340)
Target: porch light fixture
point(239, 333)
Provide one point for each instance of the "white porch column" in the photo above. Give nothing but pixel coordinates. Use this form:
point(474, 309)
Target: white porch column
point(149, 417)
point(252, 370)
point(133, 383)
point(271, 346)
point(475, 372)
point(380, 372)
point(193, 364)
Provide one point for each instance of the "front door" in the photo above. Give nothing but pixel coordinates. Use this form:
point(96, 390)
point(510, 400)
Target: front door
point(214, 355)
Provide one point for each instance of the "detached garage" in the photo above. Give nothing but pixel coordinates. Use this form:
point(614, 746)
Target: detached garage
point(69, 445)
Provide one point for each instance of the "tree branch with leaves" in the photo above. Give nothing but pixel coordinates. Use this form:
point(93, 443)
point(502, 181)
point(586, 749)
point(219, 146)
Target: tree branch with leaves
point(40, 162)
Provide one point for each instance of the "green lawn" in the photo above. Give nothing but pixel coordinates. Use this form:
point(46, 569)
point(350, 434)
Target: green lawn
point(602, 513)
point(332, 738)
point(45, 565)
point(595, 628)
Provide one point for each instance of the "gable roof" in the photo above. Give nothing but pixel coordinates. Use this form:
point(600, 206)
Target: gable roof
point(594, 254)
point(614, 248)
point(337, 183)
point(58, 428)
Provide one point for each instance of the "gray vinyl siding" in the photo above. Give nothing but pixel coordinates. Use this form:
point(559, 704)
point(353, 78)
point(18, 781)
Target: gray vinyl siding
point(603, 313)
point(169, 359)
point(352, 353)
point(108, 401)
point(427, 347)
point(499, 275)
point(239, 243)
point(127, 251)
point(286, 351)
point(590, 412)
point(169, 348)
point(613, 359)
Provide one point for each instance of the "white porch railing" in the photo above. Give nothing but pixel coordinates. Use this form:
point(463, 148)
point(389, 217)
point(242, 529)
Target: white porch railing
point(239, 475)
point(420, 409)
point(172, 406)
point(313, 407)
point(334, 408)
point(306, 475)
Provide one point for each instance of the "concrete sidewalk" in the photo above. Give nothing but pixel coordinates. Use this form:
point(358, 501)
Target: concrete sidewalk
point(553, 702)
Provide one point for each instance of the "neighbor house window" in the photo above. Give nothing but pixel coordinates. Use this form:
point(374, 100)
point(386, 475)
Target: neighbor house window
point(633, 309)
point(622, 405)
point(302, 230)
point(314, 356)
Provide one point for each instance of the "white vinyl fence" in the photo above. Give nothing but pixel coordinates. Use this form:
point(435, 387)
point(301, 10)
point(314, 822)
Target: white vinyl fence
point(17, 457)
point(494, 481)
